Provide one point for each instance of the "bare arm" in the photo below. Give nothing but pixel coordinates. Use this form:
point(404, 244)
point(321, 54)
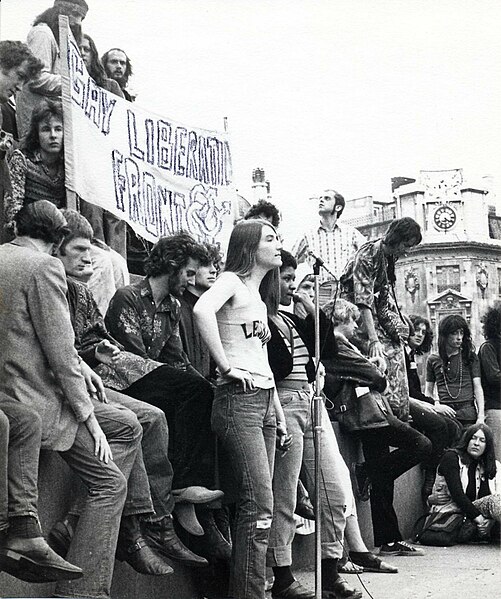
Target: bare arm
point(429, 390)
point(479, 399)
point(204, 312)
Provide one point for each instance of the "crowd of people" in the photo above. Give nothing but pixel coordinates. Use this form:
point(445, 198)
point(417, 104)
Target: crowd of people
point(182, 402)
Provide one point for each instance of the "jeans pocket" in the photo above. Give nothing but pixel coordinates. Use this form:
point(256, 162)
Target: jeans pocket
point(287, 397)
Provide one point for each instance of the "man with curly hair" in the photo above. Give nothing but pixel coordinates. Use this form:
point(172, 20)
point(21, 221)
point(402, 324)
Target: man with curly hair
point(144, 318)
point(489, 355)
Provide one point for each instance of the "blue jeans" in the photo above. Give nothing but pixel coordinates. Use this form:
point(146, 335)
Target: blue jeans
point(94, 543)
point(20, 439)
point(154, 460)
point(336, 495)
point(246, 425)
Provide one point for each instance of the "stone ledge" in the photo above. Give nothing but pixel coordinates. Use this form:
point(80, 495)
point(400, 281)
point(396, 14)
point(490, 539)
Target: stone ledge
point(55, 482)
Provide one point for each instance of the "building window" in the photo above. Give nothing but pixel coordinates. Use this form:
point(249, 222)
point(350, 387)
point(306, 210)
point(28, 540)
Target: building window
point(499, 282)
point(448, 278)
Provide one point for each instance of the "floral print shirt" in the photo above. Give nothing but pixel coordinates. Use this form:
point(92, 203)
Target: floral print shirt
point(145, 329)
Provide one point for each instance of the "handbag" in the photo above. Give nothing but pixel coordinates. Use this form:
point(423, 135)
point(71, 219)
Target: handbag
point(353, 413)
point(443, 529)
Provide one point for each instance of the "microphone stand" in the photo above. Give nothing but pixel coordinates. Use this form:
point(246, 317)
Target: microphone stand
point(317, 429)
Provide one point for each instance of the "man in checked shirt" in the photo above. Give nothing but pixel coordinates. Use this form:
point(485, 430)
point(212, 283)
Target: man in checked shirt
point(335, 243)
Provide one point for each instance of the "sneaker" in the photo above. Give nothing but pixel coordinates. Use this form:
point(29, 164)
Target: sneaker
point(400, 548)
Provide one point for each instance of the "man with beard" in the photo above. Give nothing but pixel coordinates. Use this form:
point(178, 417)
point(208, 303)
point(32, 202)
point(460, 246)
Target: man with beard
point(43, 41)
point(144, 318)
point(118, 67)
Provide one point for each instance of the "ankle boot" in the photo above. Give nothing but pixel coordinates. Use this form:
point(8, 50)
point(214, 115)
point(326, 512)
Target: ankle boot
point(215, 545)
point(133, 549)
point(163, 538)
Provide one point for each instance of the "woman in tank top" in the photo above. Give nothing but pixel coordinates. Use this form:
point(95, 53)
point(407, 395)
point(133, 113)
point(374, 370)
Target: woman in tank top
point(246, 415)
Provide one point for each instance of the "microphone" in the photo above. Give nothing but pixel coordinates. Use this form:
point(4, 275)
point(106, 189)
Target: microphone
point(320, 262)
point(316, 258)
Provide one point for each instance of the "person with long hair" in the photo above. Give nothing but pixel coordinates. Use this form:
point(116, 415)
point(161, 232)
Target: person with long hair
point(455, 371)
point(469, 480)
point(43, 41)
point(90, 56)
point(489, 355)
point(440, 429)
point(247, 415)
point(37, 168)
point(106, 226)
point(368, 281)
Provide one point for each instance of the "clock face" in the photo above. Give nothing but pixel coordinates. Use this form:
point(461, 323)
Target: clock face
point(444, 218)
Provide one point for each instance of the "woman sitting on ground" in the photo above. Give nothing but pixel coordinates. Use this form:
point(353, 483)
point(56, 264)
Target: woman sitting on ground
point(469, 480)
point(37, 169)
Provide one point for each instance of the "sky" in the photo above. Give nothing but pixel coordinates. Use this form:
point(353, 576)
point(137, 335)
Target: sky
point(321, 94)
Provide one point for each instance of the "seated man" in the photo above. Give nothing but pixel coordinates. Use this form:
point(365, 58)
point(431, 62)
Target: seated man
point(144, 319)
point(443, 431)
point(120, 368)
point(193, 344)
point(40, 367)
point(24, 553)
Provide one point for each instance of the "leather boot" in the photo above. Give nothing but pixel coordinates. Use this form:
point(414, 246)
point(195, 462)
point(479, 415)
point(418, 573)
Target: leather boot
point(33, 560)
point(163, 538)
point(216, 546)
point(133, 549)
point(62, 533)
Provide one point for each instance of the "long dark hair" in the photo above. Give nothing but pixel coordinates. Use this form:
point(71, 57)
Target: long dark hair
point(449, 325)
point(96, 69)
point(241, 258)
point(46, 109)
point(425, 347)
point(488, 458)
point(51, 18)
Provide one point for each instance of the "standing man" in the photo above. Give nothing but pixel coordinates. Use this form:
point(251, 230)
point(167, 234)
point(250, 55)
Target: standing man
point(118, 67)
point(335, 243)
point(40, 367)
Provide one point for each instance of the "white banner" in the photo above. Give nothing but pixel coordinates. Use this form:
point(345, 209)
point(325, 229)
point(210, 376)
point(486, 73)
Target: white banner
point(155, 173)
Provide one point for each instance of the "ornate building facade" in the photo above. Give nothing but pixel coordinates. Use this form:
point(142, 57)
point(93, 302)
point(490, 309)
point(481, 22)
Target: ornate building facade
point(457, 267)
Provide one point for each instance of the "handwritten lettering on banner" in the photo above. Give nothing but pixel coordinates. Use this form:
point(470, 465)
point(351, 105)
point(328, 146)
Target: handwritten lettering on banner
point(151, 171)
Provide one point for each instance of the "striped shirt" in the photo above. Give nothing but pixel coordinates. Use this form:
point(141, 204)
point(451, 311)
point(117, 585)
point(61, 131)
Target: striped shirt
point(297, 349)
point(335, 248)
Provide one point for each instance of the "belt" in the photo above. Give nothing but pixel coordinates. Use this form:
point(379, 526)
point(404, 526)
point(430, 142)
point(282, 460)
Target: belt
point(294, 385)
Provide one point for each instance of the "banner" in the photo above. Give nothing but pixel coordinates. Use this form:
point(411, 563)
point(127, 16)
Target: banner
point(159, 175)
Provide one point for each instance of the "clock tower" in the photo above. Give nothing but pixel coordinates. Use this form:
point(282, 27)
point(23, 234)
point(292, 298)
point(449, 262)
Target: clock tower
point(457, 267)
point(446, 207)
